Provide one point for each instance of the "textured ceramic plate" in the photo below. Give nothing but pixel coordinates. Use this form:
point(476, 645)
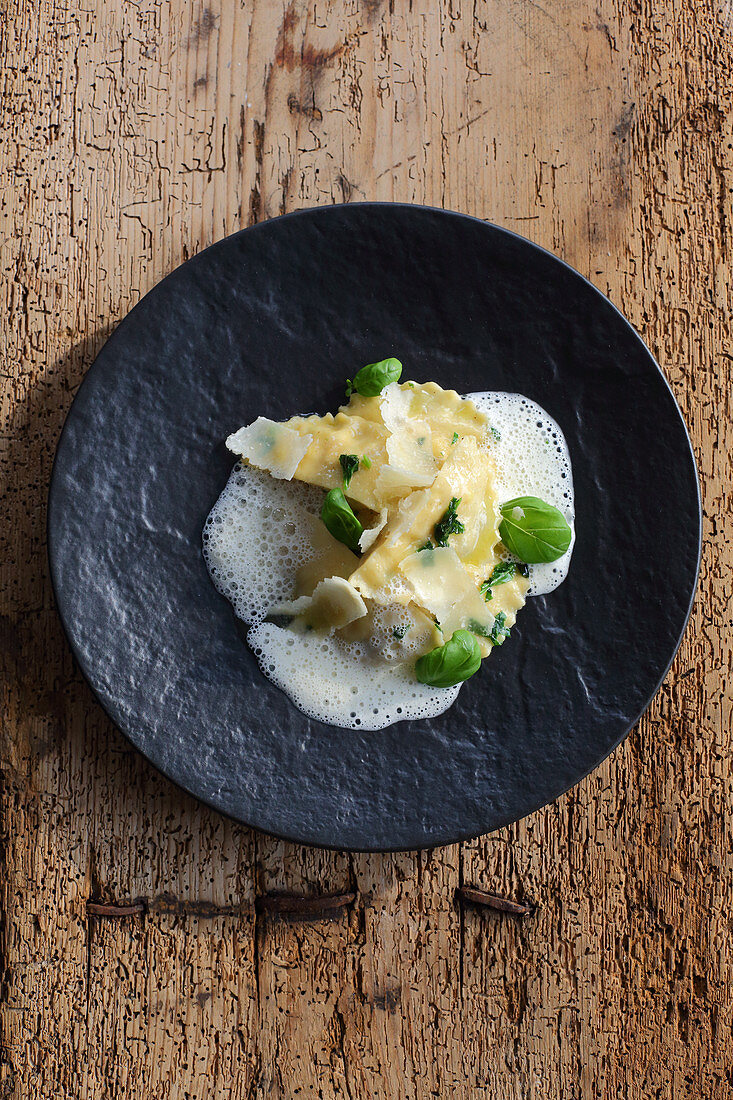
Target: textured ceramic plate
point(270, 322)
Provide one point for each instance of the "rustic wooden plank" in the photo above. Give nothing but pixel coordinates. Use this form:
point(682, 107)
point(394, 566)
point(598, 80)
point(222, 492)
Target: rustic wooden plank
point(136, 134)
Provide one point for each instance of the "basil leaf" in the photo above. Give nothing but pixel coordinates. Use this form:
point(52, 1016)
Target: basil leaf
point(500, 574)
point(449, 524)
point(349, 466)
point(533, 530)
point(399, 632)
point(450, 664)
point(366, 462)
point(425, 546)
point(371, 380)
point(340, 520)
point(454, 439)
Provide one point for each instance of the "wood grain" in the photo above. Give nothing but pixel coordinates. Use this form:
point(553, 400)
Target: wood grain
point(135, 134)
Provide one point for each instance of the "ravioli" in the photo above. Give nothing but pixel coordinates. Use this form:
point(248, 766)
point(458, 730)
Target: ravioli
point(425, 447)
point(465, 475)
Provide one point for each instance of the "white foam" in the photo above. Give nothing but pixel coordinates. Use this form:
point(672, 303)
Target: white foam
point(532, 459)
point(344, 684)
point(256, 536)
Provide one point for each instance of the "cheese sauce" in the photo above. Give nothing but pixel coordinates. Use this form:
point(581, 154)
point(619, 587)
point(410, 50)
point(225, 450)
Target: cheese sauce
point(263, 533)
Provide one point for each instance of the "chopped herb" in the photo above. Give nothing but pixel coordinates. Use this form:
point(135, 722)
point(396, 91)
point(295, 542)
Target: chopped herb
point(411, 385)
point(366, 462)
point(495, 634)
point(420, 440)
point(523, 568)
point(500, 632)
point(425, 546)
point(349, 465)
point(501, 573)
point(454, 439)
point(496, 434)
point(449, 524)
point(399, 632)
point(477, 628)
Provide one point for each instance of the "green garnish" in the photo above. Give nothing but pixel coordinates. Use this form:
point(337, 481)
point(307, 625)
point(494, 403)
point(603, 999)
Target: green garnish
point(452, 663)
point(372, 379)
point(449, 524)
point(425, 546)
point(349, 465)
point(399, 632)
point(496, 434)
point(533, 530)
point(496, 633)
point(454, 439)
point(501, 573)
point(499, 631)
point(340, 520)
point(366, 462)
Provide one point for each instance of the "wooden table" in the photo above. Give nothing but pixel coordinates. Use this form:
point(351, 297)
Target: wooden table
point(136, 133)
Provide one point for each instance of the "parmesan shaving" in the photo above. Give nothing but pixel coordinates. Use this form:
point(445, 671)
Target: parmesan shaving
point(270, 446)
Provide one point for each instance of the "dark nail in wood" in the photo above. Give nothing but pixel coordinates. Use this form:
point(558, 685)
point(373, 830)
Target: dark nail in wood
point(97, 909)
point(291, 906)
point(300, 907)
point(491, 901)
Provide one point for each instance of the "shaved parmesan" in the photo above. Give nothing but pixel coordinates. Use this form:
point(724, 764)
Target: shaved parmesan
point(443, 587)
point(409, 445)
point(369, 534)
point(270, 446)
point(334, 604)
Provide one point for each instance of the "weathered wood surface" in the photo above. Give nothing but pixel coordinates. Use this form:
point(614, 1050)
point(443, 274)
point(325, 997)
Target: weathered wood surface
point(136, 133)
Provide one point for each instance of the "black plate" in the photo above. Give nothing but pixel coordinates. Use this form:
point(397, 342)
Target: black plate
point(270, 322)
